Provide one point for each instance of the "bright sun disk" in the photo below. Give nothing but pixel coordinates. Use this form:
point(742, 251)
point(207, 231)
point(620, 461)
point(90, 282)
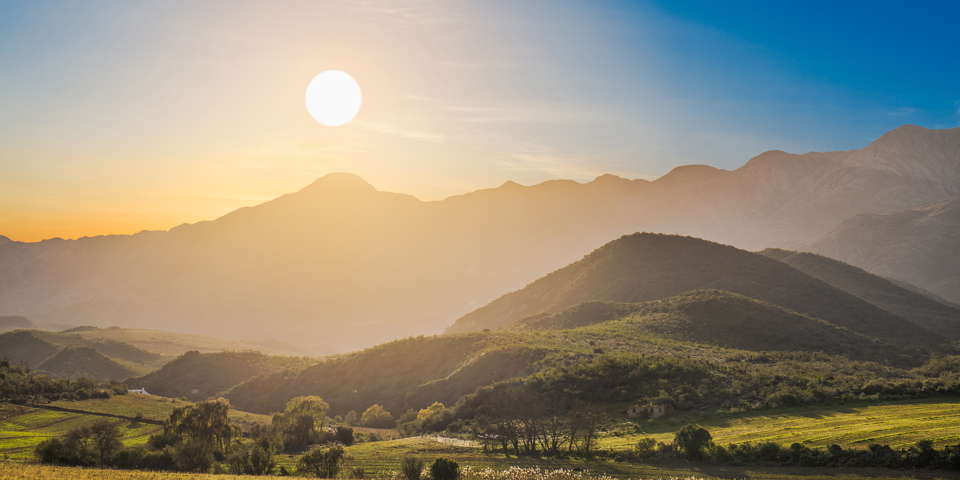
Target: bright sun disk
point(333, 98)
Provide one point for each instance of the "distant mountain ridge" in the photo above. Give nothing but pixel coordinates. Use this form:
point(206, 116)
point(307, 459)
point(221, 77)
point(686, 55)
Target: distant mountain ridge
point(342, 265)
point(920, 246)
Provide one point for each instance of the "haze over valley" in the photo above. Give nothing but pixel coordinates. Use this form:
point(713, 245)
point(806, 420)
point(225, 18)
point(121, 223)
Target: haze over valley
point(340, 265)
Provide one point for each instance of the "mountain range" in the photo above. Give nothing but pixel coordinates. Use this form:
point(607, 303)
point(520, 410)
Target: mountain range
point(339, 265)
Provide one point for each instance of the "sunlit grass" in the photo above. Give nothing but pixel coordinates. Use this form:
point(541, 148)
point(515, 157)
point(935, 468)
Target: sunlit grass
point(898, 424)
point(22, 428)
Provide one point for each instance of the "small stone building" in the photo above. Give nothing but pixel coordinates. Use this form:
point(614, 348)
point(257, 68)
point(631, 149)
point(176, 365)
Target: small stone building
point(651, 411)
point(139, 390)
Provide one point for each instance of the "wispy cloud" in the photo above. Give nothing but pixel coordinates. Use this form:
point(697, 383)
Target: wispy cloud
point(500, 112)
point(411, 12)
point(399, 132)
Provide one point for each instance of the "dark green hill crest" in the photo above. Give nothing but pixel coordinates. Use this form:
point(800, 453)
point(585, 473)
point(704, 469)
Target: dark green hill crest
point(643, 267)
point(725, 319)
point(937, 317)
point(84, 362)
point(199, 376)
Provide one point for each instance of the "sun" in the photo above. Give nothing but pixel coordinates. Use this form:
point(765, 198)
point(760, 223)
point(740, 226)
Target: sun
point(333, 98)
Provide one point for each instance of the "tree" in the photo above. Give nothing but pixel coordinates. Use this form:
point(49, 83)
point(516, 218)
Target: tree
point(204, 422)
point(377, 417)
point(105, 439)
point(323, 462)
point(351, 418)
point(691, 440)
point(302, 421)
point(77, 446)
point(585, 427)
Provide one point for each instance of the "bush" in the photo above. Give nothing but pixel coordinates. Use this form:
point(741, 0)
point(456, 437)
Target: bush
point(444, 469)
point(194, 456)
point(410, 468)
point(691, 440)
point(50, 451)
point(323, 462)
point(345, 435)
point(646, 447)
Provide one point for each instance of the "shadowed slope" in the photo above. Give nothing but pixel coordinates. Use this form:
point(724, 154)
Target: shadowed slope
point(84, 362)
point(643, 267)
point(199, 376)
point(928, 313)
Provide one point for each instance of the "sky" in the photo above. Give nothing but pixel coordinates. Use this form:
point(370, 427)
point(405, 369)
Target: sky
point(117, 117)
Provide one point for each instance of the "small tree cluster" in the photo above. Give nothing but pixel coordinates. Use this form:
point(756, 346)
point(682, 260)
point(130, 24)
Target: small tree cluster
point(529, 423)
point(94, 444)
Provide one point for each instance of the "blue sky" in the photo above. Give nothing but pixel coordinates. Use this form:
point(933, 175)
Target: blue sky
point(121, 116)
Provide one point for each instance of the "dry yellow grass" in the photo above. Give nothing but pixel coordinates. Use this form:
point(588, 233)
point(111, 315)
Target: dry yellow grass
point(25, 471)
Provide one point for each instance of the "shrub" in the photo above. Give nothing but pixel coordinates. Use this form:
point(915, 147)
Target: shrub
point(323, 462)
point(646, 447)
point(691, 440)
point(410, 468)
point(194, 456)
point(50, 451)
point(444, 469)
point(345, 435)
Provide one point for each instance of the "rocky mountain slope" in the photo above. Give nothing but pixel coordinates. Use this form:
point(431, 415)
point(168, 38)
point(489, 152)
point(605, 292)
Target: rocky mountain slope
point(340, 265)
point(920, 246)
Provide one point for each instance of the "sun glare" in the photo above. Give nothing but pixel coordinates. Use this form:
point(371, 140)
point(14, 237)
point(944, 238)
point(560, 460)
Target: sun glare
point(333, 98)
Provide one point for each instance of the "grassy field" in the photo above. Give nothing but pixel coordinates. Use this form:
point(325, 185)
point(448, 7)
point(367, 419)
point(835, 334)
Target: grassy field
point(898, 424)
point(22, 428)
point(895, 423)
point(151, 406)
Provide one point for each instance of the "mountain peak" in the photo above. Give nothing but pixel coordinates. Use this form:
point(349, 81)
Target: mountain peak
point(690, 175)
point(339, 183)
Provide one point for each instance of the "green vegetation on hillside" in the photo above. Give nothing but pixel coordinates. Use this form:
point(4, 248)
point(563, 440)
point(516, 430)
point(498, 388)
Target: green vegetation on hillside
point(84, 362)
point(100, 359)
point(935, 316)
point(645, 266)
point(19, 385)
point(199, 376)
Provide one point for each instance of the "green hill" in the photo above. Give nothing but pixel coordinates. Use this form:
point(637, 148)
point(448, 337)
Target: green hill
point(729, 320)
point(32, 347)
point(412, 372)
point(644, 266)
point(24, 346)
point(86, 362)
point(199, 376)
point(922, 310)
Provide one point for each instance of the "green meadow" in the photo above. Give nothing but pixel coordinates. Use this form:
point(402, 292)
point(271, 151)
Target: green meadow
point(22, 428)
point(897, 424)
